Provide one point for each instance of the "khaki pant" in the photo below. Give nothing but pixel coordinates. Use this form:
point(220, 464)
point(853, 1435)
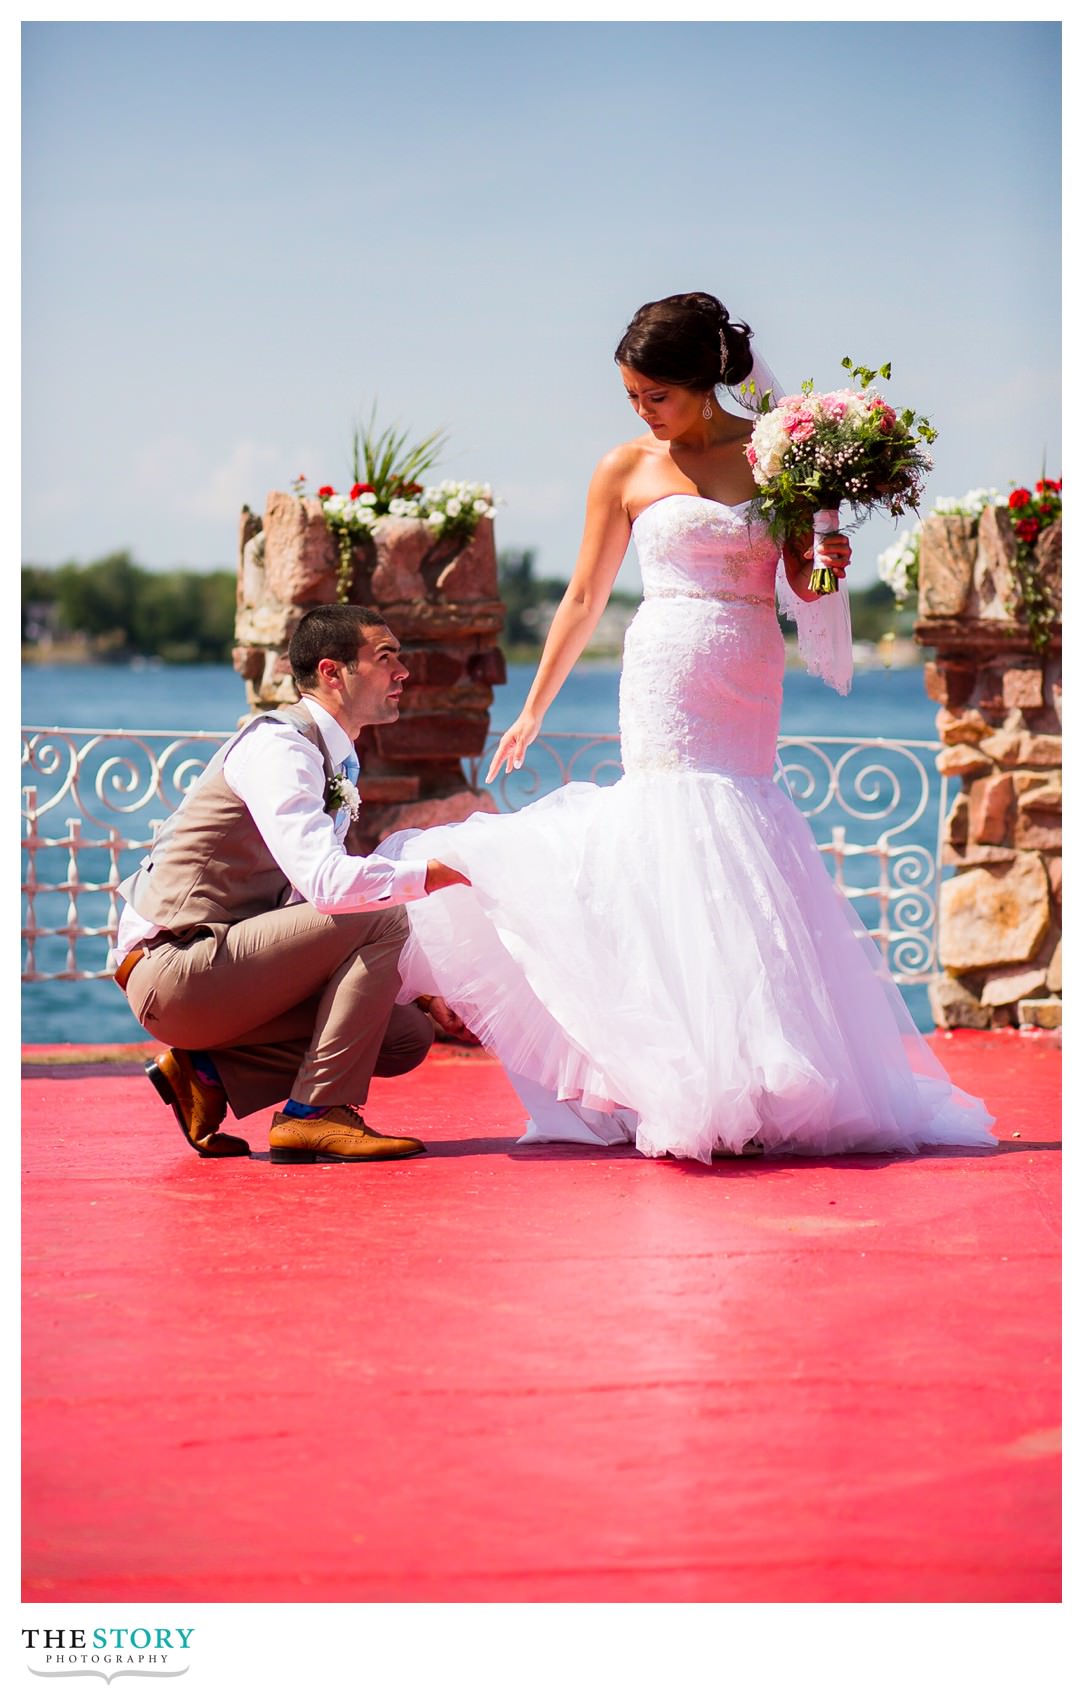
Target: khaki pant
point(289, 1004)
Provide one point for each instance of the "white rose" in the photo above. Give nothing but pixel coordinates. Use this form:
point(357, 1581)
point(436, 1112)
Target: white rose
point(453, 507)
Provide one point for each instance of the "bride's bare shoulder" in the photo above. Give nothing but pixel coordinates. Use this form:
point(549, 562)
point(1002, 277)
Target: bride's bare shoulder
point(617, 469)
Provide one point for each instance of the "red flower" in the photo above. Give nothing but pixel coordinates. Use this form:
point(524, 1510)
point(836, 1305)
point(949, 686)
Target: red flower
point(359, 490)
point(1019, 498)
point(327, 489)
point(1045, 507)
point(414, 489)
point(1027, 530)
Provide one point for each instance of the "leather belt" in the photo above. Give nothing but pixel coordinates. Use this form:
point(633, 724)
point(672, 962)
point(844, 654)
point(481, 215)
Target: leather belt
point(124, 972)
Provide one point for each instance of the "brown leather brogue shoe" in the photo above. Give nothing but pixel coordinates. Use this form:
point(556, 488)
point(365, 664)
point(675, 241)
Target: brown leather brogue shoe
point(198, 1105)
point(339, 1135)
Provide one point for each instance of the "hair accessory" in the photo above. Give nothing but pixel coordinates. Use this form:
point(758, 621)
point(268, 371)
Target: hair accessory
point(725, 353)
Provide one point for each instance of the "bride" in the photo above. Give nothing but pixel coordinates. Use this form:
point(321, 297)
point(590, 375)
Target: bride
point(666, 960)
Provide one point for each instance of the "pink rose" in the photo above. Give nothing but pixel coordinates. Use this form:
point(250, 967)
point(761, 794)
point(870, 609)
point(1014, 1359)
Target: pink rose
point(833, 406)
point(800, 425)
point(887, 420)
point(792, 401)
point(750, 454)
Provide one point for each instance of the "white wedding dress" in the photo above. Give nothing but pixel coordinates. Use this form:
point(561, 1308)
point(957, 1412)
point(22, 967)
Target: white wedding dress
point(666, 960)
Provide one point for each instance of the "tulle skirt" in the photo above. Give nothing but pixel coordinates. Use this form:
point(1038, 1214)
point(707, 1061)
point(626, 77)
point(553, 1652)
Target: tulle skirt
point(667, 960)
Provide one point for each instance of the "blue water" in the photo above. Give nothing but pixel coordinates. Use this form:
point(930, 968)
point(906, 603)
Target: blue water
point(883, 703)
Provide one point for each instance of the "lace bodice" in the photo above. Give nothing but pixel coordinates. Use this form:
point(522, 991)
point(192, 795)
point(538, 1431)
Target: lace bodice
point(690, 545)
point(701, 686)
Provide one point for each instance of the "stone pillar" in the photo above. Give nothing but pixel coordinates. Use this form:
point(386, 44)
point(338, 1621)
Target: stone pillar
point(1000, 723)
point(440, 599)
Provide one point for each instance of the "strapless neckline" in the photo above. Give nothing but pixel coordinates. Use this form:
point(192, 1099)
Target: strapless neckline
point(689, 496)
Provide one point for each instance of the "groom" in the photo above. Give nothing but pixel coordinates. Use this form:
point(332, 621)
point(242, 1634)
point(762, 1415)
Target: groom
point(255, 947)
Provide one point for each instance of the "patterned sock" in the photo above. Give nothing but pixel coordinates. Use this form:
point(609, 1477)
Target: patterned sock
point(205, 1069)
point(292, 1108)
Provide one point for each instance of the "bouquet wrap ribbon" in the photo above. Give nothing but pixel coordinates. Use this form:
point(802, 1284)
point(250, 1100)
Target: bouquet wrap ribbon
point(823, 580)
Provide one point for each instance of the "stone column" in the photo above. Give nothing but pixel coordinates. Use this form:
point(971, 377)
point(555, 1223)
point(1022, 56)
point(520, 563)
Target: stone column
point(440, 599)
point(1000, 722)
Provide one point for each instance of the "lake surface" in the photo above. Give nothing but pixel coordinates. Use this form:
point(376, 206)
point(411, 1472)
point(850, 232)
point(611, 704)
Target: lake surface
point(889, 703)
point(883, 703)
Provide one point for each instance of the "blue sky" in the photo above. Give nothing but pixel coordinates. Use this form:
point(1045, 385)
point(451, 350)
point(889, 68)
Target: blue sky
point(238, 237)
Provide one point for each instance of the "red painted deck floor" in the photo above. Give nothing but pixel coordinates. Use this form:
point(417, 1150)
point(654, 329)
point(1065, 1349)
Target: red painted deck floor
point(548, 1373)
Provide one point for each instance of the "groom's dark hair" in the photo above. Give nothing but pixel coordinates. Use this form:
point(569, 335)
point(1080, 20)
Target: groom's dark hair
point(333, 632)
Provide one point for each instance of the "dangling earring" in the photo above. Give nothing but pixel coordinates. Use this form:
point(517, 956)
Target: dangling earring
point(708, 410)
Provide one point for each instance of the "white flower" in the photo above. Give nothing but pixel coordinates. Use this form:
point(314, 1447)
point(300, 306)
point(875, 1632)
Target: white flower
point(771, 443)
point(972, 503)
point(342, 793)
point(367, 499)
point(453, 507)
point(898, 564)
point(481, 507)
point(436, 520)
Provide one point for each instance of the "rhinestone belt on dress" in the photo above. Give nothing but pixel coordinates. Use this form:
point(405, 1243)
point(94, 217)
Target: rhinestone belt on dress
point(714, 596)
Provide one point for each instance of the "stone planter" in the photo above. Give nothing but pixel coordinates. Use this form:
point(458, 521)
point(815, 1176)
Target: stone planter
point(440, 599)
point(1000, 723)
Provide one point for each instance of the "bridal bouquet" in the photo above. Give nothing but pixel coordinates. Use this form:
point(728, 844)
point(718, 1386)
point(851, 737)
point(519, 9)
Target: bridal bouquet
point(816, 450)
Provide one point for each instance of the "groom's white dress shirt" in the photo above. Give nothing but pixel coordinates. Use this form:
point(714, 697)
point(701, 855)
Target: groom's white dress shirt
point(279, 775)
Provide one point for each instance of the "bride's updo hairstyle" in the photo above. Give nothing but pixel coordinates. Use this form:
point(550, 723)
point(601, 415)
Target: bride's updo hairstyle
point(677, 341)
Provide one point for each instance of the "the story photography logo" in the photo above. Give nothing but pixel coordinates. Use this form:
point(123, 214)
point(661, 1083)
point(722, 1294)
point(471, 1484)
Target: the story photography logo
point(108, 1650)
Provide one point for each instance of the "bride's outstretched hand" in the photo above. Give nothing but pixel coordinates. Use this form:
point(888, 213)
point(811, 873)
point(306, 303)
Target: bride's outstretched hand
point(513, 745)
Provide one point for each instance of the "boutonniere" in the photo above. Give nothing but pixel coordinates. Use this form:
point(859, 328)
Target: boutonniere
point(342, 793)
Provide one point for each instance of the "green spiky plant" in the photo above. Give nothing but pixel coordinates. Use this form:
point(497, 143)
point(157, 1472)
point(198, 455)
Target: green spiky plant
point(390, 464)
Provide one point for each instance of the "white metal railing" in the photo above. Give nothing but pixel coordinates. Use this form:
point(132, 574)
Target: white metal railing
point(93, 799)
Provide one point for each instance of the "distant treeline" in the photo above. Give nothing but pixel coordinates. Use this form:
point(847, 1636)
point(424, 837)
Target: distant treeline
point(113, 608)
point(521, 593)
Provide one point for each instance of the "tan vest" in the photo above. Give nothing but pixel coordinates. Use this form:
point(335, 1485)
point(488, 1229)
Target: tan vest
point(208, 862)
